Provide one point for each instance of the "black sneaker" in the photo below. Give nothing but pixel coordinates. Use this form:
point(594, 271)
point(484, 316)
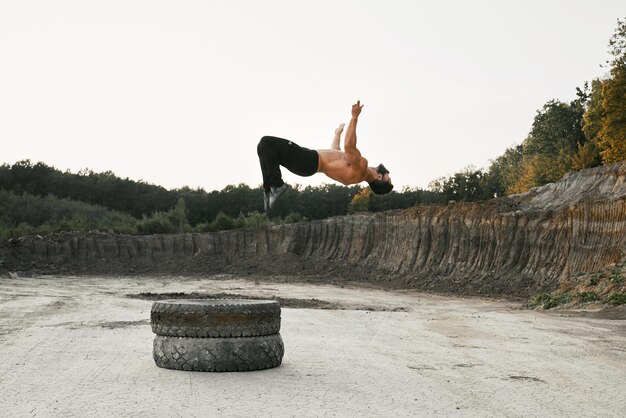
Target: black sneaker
point(276, 193)
point(266, 200)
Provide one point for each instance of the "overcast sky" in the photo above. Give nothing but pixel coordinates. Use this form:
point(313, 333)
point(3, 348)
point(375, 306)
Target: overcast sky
point(179, 92)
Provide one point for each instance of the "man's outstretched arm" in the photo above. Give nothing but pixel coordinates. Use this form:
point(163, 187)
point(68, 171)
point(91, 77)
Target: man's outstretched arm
point(349, 145)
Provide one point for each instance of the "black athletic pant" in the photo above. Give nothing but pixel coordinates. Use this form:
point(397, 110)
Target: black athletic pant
point(274, 152)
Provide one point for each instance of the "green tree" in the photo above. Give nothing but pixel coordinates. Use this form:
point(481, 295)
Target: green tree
point(464, 185)
point(504, 171)
point(548, 151)
point(592, 118)
point(467, 185)
point(556, 127)
point(588, 154)
point(617, 45)
point(178, 216)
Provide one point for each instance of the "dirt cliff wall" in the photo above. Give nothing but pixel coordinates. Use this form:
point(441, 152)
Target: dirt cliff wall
point(519, 245)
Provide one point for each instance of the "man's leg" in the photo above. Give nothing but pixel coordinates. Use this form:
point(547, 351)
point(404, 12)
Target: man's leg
point(274, 152)
point(337, 137)
point(269, 157)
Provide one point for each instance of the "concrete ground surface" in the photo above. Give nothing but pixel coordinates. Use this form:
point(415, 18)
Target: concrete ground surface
point(79, 346)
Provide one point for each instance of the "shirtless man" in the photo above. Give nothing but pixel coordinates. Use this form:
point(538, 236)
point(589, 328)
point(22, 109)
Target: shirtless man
point(346, 167)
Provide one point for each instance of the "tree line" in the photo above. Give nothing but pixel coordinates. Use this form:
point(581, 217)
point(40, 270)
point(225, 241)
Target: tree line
point(38, 199)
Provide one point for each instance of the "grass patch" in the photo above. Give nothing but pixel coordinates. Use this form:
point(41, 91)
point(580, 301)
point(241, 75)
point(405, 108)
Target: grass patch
point(587, 297)
point(616, 299)
point(550, 301)
point(616, 276)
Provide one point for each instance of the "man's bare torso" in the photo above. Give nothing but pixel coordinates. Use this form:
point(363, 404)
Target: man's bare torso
point(335, 164)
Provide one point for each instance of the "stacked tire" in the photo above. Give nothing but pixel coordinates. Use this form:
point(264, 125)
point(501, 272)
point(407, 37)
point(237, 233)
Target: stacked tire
point(217, 335)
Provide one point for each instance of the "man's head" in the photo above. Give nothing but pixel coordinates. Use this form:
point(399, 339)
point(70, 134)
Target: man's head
point(382, 184)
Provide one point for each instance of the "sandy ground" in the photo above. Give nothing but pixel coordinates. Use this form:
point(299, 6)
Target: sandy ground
point(75, 346)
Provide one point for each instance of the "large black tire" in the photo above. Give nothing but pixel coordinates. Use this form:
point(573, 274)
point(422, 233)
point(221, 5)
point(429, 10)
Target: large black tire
point(218, 354)
point(214, 318)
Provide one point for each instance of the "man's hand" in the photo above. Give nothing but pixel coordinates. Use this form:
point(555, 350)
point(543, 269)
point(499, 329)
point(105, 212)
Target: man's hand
point(339, 130)
point(356, 109)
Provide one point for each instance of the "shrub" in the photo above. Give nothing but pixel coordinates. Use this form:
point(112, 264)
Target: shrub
point(550, 301)
point(294, 217)
point(26, 214)
point(616, 299)
point(256, 220)
point(223, 222)
point(587, 296)
point(204, 227)
point(158, 223)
